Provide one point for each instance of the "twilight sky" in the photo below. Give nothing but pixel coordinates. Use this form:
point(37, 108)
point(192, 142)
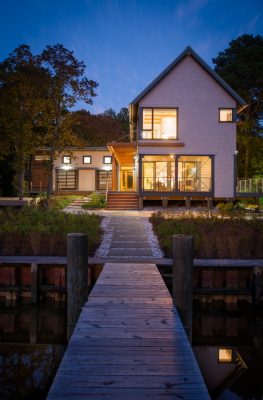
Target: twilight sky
point(125, 44)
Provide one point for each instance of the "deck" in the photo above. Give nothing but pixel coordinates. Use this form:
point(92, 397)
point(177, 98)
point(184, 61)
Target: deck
point(129, 343)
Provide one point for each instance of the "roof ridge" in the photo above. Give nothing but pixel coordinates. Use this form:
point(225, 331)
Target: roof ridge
point(188, 51)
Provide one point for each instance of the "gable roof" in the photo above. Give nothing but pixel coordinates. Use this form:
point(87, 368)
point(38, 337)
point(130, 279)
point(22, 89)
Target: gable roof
point(190, 52)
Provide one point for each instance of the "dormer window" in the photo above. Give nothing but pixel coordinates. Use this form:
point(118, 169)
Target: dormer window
point(226, 115)
point(159, 123)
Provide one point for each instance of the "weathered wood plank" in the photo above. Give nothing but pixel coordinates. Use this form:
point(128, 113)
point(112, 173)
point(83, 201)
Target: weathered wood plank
point(45, 260)
point(127, 394)
point(129, 343)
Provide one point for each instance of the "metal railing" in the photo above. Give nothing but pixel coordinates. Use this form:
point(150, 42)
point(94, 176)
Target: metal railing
point(168, 184)
point(249, 186)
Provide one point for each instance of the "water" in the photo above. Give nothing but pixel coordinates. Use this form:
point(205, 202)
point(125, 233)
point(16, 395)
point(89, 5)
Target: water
point(33, 341)
point(32, 344)
point(238, 334)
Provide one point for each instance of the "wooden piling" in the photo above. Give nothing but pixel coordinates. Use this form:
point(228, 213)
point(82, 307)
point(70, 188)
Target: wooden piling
point(34, 283)
point(257, 284)
point(77, 277)
point(188, 202)
point(183, 246)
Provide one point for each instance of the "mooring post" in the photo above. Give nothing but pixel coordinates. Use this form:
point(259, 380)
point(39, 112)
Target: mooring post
point(77, 277)
point(257, 284)
point(34, 283)
point(183, 248)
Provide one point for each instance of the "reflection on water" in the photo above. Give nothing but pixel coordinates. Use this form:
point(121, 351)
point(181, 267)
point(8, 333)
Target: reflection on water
point(32, 343)
point(229, 349)
point(33, 340)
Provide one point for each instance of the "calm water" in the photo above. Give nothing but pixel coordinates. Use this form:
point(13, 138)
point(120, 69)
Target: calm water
point(239, 335)
point(33, 341)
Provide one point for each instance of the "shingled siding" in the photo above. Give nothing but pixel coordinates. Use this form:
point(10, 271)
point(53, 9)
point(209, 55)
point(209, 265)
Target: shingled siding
point(198, 98)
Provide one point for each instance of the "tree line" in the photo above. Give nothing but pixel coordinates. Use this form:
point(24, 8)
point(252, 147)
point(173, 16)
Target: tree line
point(38, 92)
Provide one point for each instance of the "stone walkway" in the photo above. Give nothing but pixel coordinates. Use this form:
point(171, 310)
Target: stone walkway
point(128, 237)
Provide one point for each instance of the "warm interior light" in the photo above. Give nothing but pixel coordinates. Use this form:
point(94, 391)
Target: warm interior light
point(225, 355)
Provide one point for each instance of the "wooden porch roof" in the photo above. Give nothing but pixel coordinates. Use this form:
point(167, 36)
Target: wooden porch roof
point(124, 152)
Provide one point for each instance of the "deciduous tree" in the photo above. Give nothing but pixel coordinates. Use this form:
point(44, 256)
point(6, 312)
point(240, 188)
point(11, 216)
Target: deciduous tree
point(21, 99)
point(67, 84)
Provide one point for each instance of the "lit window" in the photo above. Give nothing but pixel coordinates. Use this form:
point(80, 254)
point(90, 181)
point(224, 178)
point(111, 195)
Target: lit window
point(66, 160)
point(226, 115)
point(107, 160)
point(159, 123)
point(86, 159)
point(225, 355)
point(42, 157)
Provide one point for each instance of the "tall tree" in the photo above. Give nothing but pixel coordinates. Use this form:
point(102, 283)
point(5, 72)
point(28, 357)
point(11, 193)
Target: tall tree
point(67, 85)
point(21, 98)
point(241, 66)
point(97, 130)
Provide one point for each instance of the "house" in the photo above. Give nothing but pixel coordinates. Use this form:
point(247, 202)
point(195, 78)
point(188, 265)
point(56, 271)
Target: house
point(75, 171)
point(182, 143)
point(183, 137)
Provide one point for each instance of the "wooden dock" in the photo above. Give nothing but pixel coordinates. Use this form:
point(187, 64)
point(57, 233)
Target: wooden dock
point(129, 343)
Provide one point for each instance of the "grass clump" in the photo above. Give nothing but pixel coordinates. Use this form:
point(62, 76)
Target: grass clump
point(213, 237)
point(97, 200)
point(55, 202)
point(36, 231)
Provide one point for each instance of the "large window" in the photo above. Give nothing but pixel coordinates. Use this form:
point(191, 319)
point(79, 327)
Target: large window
point(104, 180)
point(194, 174)
point(159, 123)
point(66, 180)
point(176, 173)
point(158, 173)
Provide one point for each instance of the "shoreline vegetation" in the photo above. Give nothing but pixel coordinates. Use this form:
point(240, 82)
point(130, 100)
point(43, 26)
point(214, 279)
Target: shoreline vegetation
point(34, 230)
point(221, 236)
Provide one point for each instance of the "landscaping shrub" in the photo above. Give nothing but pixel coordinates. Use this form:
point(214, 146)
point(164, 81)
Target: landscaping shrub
point(34, 231)
point(213, 237)
point(55, 202)
point(97, 200)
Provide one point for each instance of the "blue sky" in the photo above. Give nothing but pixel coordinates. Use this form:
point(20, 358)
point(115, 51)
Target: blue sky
point(125, 44)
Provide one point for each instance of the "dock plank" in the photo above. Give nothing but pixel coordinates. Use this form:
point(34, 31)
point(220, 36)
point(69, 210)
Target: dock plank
point(129, 343)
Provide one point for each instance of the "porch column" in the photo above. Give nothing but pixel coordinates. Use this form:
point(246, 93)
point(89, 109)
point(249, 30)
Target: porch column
point(114, 174)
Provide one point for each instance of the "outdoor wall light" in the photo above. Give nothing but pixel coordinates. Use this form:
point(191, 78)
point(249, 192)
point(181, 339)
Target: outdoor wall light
point(66, 167)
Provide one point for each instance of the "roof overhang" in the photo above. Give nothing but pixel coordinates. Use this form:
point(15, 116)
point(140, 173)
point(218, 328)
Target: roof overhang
point(123, 152)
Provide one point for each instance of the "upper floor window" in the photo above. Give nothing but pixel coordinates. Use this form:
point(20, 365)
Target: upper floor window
point(226, 115)
point(86, 159)
point(66, 160)
point(159, 123)
point(107, 160)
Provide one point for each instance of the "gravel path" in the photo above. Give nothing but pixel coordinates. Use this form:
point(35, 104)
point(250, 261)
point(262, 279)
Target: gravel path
point(128, 237)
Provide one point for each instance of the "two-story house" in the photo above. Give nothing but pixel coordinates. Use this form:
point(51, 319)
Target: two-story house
point(183, 138)
point(182, 144)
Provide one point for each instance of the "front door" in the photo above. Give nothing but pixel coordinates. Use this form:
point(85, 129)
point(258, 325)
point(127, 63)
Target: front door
point(127, 180)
